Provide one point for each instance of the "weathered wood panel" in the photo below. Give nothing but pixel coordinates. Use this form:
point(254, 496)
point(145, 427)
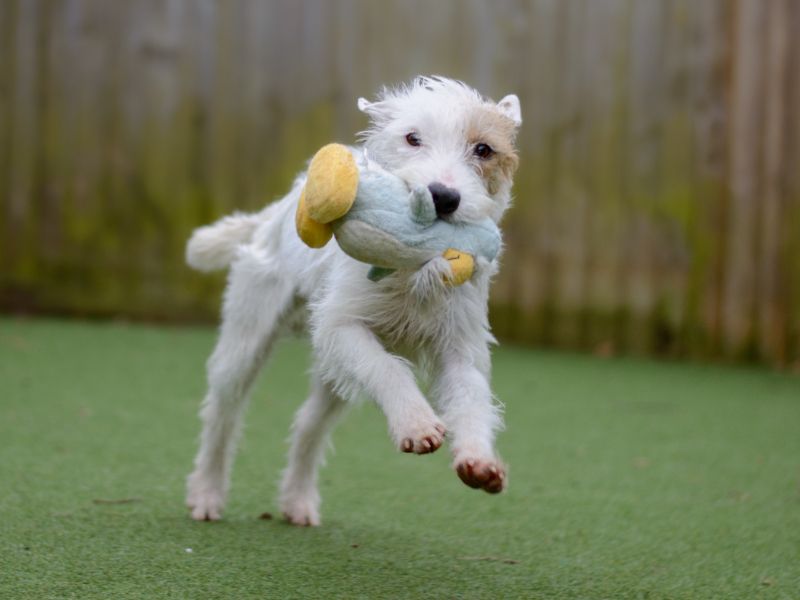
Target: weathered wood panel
point(657, 207)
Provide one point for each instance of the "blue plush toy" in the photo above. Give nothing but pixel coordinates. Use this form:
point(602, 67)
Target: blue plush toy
point(377, 220)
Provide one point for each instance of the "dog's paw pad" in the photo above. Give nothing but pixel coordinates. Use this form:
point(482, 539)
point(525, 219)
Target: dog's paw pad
point(301, 520)
point(489, 476)
point(424, 442)
point(301, 514)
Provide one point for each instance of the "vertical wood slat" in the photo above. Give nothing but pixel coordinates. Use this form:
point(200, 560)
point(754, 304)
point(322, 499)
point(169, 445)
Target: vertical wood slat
point(569, 193)
point(771, 312)
point(790, 219)
point(657, 208)
point(747, 117)
point(705, 88)
point(677, 203)
point(24, 135)
point(8, 20)
point(605, 177)
point(650, 96)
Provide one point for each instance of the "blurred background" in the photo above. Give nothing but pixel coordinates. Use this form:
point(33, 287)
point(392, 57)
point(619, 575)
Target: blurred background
point(657, 204)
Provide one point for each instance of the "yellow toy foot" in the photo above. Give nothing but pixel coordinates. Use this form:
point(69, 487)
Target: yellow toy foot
point(314, 234)
point(461, 264)
point(332, 183)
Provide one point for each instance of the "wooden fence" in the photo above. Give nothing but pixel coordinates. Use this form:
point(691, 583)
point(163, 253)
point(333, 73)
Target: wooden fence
point(657, 204)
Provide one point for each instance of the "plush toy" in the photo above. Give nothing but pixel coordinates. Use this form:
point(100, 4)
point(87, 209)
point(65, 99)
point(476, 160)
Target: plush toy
point(376, 219)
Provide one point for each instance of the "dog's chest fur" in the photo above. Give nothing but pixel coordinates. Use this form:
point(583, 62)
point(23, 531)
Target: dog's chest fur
point(408, 322)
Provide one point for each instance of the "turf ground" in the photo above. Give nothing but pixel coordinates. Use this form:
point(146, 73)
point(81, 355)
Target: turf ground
point(629, 479)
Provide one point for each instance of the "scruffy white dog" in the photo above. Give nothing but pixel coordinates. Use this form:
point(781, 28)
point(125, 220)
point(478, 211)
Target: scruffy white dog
point(367, 336)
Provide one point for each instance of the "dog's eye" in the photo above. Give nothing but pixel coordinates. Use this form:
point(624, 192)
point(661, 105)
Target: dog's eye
point(413, 139)
point(483, 151)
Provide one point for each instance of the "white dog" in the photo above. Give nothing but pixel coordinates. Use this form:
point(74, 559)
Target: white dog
point(367, 336)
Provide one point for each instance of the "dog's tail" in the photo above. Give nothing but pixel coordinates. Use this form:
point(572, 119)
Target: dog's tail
point(213, 247)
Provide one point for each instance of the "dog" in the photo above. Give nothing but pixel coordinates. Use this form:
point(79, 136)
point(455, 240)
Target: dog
point(369, 338)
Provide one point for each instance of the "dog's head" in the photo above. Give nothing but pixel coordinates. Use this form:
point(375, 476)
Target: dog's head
point(440, 133)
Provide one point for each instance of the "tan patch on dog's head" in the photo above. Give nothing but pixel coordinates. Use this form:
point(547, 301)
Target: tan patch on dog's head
point(488, 125)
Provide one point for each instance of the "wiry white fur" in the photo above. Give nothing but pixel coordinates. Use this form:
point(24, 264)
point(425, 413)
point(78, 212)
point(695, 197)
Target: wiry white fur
point(213, 247)
point(368, 338)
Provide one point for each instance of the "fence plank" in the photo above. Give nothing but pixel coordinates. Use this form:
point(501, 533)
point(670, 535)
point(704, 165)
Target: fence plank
point(771, 316)
point(747, 119)
point(8, 20)
point(790, 218)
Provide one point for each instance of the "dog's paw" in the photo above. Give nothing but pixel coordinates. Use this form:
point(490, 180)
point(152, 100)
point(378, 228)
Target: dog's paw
point(423, 439)
point(204, 500)
point(303, 513)
point(205, 505)
point(488, 475)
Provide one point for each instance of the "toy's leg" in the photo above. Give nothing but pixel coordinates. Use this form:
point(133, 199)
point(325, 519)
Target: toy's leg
point(329, 192)
point(315, 235)
point(462, 266)
point(254, 302)
point(299, 497)
point(331, 183)
point(466, 406)
point(352, 360)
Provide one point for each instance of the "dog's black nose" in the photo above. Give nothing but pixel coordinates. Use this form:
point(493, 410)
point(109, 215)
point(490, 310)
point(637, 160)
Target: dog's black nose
point(445, 199)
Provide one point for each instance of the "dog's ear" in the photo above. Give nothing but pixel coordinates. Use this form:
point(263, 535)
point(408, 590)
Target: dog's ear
point(509, 106)
point(375, 110)
point(364, 105)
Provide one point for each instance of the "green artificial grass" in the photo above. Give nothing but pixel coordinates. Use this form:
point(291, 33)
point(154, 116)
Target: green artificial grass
point(629, 479)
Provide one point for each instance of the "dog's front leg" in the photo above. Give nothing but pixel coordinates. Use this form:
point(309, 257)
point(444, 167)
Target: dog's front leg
point(352, 360)
point(461, 388)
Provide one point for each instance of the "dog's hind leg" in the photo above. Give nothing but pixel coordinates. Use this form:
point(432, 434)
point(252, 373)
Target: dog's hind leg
point(256, 298)
point(299, 497)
